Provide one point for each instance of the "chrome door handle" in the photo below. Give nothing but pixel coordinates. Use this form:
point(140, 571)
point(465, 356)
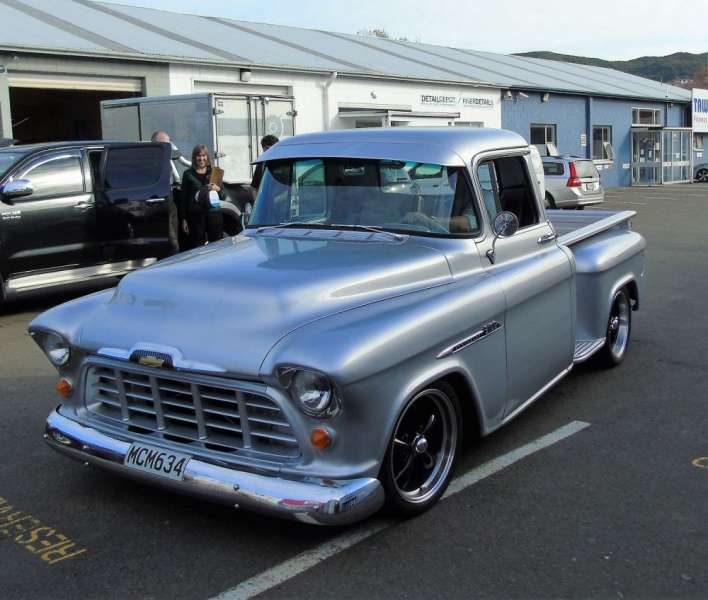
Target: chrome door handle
point(155, 200)
point(544, 239)
point(82, 206)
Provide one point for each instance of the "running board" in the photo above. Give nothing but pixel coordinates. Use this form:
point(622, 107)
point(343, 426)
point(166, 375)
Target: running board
point(537, 395)
point(584, 349)
point(27, 283)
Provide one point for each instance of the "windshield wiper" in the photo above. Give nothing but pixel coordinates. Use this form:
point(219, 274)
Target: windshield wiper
point(285, 226)
point(371, 228)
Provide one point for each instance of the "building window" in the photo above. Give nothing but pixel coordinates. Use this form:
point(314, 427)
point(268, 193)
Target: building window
point(698, 141)
point(602, 142)
point(543, 134)
point(646, 116)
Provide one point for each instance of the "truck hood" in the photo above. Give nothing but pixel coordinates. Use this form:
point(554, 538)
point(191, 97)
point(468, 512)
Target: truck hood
point(224, 306)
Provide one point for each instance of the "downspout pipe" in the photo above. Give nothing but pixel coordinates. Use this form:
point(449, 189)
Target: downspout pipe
point(325, 97)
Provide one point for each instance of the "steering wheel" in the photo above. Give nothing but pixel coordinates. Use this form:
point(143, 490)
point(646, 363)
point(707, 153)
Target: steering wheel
point(421, 220)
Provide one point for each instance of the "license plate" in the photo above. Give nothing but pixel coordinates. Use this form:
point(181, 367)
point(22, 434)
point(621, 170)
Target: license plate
point(590, 187)
point(164, 463)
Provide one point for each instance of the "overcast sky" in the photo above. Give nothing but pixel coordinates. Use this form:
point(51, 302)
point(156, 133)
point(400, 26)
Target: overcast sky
point(609, 29)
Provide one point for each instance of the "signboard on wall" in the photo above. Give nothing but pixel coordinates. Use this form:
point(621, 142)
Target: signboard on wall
point(450, 100)
point(699, 106)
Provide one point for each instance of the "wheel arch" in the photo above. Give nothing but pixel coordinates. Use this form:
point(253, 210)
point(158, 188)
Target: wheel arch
point(630, 284)
point(467, 394)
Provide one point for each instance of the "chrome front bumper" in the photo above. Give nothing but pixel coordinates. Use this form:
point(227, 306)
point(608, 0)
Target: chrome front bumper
point(333, 503)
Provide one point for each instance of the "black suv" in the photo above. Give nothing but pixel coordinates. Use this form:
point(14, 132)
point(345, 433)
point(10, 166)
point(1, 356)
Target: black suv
point(78, 211)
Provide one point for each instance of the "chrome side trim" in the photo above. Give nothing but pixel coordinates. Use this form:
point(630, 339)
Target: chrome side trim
point(537, 395)
point(487, 330)
point(584, 349)
point(322, 502)
point(67, 276)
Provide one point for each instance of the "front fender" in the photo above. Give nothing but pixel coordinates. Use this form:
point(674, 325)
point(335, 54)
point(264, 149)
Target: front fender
point(381, 354)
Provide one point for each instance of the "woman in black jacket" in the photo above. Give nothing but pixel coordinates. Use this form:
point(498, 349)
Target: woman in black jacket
point(201, 204)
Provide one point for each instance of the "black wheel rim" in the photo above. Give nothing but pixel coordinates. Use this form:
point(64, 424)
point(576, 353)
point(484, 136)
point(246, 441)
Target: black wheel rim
point(618, 326)
point(702, 175)
point(423, 446)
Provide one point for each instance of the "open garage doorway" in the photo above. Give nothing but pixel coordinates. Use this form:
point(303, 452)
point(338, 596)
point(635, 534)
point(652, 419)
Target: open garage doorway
point(49, 115)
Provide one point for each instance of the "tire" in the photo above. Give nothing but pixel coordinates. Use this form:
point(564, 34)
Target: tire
point(550, 202)
point(619, 327)
point(232, 224)
point(702, 175)
point(421, 454)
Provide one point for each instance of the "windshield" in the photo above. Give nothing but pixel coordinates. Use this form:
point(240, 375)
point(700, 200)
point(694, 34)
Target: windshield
point(409, 197)
point(9, 158)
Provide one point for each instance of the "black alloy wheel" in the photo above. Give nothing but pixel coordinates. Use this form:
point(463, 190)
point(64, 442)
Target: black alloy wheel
point(619, 326)
point(419, 461)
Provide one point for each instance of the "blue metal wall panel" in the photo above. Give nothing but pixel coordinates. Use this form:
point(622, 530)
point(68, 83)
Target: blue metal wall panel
point(676, 115)
point(569, 114)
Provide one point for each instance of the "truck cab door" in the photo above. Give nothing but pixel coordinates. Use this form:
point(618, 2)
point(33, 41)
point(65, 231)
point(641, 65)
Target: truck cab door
point(133, 202)
point(53, 227)
point(537, 277)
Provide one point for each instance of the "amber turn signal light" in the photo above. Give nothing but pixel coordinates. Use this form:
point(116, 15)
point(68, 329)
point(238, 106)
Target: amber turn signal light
point(64, 387)
point(321, 438)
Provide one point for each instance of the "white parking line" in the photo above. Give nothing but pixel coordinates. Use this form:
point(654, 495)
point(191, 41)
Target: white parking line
point(310, 558)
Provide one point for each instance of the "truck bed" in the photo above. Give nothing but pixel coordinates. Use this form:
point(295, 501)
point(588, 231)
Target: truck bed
point(574, 226)
point(608, 255)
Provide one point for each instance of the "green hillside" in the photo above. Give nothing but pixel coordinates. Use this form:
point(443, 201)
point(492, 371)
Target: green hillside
point(671, 68)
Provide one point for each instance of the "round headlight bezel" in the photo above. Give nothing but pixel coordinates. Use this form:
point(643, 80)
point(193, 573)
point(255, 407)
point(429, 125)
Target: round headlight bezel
point(54, 346)
point(323, 401)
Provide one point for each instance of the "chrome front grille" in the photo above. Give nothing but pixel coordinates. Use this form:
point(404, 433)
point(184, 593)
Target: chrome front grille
point(208, 414)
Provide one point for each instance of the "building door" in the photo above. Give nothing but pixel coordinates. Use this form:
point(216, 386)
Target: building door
point(646, 156)
point(241, 122)
point(676, 155)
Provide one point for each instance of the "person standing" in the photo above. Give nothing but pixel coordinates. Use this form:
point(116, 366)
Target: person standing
point(202, 200)
point(173, 211)
point(267, 142)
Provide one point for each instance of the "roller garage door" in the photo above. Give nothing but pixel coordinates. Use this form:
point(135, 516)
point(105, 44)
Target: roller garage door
point(56, 107)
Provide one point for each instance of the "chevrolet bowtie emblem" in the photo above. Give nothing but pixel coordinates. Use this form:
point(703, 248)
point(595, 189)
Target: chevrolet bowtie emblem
point(151, 361)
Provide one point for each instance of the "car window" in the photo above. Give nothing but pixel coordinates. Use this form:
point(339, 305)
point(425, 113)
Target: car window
point(508, 188)
point(553, 168)
point(404, 196)
point(586, 168)
point(56, 176)
point(133, 167)
point(487, 181)
point(310, 195)
point(8, 159)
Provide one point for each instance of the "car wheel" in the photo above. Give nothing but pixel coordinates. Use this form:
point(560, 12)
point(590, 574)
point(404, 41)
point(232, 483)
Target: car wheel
point(619, 326)
point(421, 454)
point(702, 175)
point(550, 202)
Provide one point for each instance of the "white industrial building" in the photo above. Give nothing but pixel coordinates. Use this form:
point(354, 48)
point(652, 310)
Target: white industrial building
point(59, 58)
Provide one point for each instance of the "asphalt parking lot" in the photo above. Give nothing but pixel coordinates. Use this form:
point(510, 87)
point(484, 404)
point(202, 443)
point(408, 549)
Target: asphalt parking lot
point(614, 509)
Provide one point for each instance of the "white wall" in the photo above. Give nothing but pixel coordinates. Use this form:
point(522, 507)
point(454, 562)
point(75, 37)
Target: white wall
point(309, 94)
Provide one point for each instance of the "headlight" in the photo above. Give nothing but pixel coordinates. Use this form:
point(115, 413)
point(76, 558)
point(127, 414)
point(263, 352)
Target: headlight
point(57, 350)
point(312, 391)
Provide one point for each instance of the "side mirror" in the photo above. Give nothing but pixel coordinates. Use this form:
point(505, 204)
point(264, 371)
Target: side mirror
point(505, 224)
point(17, 188)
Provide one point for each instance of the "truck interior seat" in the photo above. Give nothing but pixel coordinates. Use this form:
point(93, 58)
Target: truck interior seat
point(515, 191)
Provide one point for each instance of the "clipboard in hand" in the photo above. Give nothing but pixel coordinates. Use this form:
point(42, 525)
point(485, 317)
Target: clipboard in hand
point(217, 176)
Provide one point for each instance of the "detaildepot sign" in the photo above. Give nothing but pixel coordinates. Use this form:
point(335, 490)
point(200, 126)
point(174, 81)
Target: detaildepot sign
point(446, 100)
point(699, 105)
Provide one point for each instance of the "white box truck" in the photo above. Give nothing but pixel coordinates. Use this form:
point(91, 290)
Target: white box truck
point(230, 125)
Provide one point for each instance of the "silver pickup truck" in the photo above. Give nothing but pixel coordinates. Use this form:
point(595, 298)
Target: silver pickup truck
point(393, 289)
